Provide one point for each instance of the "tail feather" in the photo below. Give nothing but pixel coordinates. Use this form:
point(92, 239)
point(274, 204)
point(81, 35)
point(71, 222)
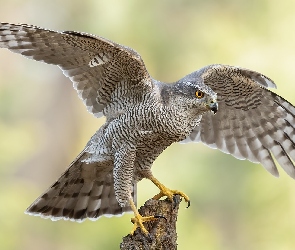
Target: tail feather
point(85, 190)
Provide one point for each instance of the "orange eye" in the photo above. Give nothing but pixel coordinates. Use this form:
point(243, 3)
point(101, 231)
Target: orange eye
point(199, 94)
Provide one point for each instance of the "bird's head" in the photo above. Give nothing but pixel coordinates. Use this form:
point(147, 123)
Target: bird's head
point(195, 95)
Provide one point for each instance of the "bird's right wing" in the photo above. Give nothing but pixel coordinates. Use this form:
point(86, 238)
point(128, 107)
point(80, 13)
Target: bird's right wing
point(252, 122)
point(101, 70)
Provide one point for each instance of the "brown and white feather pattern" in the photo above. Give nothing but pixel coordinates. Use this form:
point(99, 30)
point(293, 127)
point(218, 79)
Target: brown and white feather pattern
point(95, 65)
point(145, 116)
point(252, 122)
point(83, 191)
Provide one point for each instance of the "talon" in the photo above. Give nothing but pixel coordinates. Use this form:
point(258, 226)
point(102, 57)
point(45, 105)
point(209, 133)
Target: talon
point(188, 203)
point(138, 220)
point(164, 191)
point(175, 201)
point(160, 216)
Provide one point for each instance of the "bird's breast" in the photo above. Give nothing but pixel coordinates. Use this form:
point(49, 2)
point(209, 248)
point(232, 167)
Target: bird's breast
point(171, 123)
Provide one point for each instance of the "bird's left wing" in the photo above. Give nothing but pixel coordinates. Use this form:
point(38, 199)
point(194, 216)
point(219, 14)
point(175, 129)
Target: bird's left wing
point(97, 67)
point(252, 122)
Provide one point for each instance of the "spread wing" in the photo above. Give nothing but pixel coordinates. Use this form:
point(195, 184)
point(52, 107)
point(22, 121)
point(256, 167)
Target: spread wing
point(252, 122)
point(100, 70)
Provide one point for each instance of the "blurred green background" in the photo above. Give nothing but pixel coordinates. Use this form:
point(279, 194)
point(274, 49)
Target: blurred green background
point(43, 124)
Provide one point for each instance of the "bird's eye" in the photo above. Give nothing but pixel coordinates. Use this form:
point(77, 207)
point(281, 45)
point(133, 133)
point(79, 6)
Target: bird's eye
point(199, 94)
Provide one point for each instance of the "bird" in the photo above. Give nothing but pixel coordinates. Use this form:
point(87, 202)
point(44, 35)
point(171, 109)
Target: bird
point(225, 107)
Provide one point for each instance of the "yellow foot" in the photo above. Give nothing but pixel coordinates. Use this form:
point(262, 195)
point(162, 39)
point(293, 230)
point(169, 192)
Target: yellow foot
point(164, 191)
point(138, 220)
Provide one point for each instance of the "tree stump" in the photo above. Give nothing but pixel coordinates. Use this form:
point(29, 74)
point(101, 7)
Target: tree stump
point(162, 232)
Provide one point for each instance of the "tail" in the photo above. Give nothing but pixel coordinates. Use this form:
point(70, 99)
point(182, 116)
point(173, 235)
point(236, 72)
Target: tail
point(85, 190)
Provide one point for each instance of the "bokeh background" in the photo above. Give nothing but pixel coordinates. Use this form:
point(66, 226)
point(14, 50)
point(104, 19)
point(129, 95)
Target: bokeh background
point(43, 124)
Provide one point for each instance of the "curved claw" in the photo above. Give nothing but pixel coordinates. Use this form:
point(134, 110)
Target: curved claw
point(188, 203)
point(164, 191)
point(160, 216)
point(171, 194)
point(175, 202)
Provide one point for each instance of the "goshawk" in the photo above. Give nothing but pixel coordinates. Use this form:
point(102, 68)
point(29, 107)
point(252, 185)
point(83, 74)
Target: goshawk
point(145, 116)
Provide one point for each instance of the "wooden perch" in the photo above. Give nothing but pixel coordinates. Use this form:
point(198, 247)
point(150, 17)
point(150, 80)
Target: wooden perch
point(162, 232)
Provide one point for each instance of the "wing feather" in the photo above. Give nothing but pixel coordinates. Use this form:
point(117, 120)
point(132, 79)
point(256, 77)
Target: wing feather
point(95, 65)
point(252, 122)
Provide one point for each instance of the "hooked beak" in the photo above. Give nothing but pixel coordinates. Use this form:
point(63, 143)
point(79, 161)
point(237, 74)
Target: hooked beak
point(213, 107)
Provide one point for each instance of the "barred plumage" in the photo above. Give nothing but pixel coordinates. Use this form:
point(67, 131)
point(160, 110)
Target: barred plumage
point(144, 116)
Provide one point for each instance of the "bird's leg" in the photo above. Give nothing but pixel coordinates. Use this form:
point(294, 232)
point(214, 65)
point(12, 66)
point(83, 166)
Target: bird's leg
point(123, 174)
point(138, 219)
point(164, 191)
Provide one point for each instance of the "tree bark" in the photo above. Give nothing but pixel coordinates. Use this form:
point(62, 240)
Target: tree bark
point(162, 232)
